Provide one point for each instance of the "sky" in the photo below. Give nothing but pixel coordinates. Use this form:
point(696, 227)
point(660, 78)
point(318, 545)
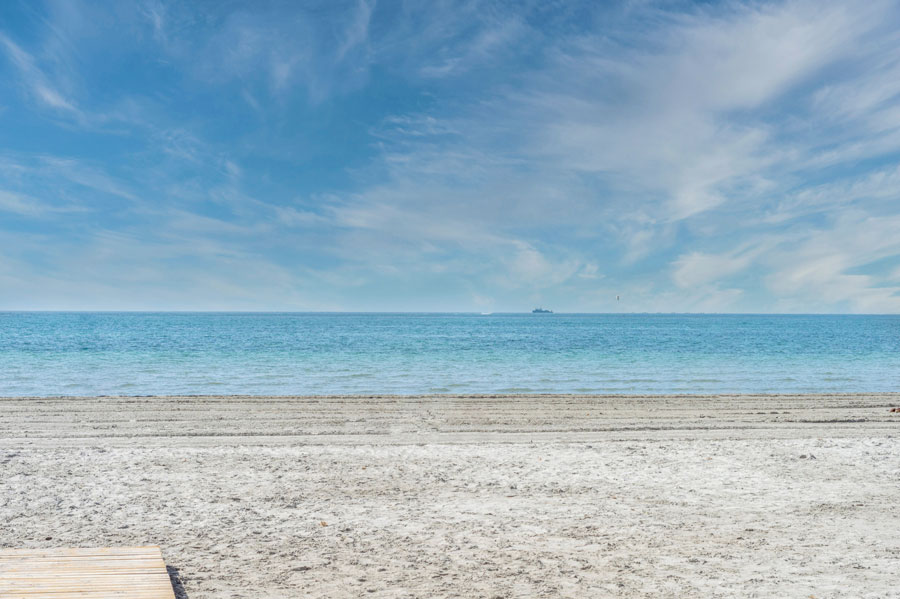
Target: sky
point(378, 155)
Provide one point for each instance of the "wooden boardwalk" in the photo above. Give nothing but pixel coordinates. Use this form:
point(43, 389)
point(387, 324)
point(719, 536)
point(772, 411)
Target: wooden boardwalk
point(106, 573)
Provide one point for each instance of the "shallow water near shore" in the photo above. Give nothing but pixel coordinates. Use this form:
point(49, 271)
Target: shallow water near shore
point(45, 354)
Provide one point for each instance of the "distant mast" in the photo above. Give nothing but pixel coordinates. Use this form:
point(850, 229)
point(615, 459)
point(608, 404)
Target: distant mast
point(541, 311)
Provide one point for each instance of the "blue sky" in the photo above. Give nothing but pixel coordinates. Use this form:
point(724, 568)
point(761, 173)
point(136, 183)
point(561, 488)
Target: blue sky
point(450, 156)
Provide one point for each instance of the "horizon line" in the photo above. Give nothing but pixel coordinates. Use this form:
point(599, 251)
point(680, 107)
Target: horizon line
point(434, 312)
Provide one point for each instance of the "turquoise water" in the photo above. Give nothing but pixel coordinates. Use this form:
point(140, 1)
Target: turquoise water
point(266, 353)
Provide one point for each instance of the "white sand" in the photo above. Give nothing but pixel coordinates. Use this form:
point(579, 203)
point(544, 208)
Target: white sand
point(469, 497)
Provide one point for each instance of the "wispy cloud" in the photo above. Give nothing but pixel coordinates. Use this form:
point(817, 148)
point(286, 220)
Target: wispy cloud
point(699, 268)
point(693, 127)
point(20, 204)
point(35, 81)
point(722, 156)
point(818, 271)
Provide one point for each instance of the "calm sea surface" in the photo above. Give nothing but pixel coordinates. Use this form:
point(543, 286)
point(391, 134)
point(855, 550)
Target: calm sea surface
point(243, 353)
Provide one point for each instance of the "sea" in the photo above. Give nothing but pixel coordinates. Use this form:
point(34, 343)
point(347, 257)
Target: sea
point(130, 353)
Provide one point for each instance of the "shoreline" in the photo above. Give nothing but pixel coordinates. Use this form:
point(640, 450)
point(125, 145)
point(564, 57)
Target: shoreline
point(468, 496)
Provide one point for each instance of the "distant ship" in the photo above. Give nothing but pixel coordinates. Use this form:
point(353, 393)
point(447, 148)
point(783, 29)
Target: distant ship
point(541, 311)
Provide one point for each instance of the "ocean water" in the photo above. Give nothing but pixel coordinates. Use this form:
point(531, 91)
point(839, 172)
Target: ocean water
point(44, 354)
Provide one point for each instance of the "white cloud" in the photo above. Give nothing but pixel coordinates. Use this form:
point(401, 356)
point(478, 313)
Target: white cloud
point(815, 270)
point(86, 175)
point(36, 81)
point(474, 53)
point(292, 217)
point(699, 268)
point(590, 271)
point(357, 31)
point(272, 50)
point(20, 204)
point(526, 266)
point(675, 119)
point(727, 156)
point(687, 131)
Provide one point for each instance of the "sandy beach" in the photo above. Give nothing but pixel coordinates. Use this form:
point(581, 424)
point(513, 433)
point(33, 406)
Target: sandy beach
point(488, 496)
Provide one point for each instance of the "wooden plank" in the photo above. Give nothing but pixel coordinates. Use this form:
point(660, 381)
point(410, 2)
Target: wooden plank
point(79, 573)
point(80, 551)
